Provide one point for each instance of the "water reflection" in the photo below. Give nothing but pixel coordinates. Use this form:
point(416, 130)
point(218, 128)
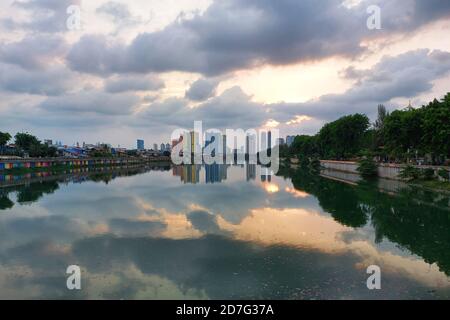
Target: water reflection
point(219, 232)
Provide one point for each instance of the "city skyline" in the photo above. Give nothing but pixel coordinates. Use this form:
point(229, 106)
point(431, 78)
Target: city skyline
point(109, 76)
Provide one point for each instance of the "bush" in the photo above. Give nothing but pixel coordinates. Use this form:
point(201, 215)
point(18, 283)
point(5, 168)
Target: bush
point(368, 168)
point(409, 173)
point(314, 164)
point(304, 162)
point(428, 174)
point(444, 174)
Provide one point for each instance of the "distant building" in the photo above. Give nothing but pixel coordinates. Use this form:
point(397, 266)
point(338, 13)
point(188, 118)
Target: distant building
point(168, 147)
point(163, 147)
point(155, 147)
point(140, 145)
point(224, 144)
point(280, 142)
point(290, 140)
point(48, 142)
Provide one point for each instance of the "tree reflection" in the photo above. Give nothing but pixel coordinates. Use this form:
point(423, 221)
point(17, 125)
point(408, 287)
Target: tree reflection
point(417, 220)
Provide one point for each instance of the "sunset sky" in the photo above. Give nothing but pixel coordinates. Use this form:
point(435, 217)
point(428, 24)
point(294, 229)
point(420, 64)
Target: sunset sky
point(141, 68)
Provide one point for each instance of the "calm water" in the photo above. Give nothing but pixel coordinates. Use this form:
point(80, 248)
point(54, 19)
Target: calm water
point(220, 233)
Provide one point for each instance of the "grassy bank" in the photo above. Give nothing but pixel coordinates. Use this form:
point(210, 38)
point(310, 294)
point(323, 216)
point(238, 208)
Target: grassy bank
point(432, 184)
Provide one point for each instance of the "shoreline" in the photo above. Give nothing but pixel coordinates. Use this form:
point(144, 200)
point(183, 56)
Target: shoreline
point(23, 166)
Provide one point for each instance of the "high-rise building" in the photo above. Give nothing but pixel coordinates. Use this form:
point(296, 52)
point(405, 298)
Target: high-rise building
point(140, 144)
point(163, 147)
point(155, 147)
point(224, 145)
point(280, 142)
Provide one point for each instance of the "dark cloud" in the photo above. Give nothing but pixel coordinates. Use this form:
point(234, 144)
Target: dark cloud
point(202, 89)
point(237, 34)
point(34, 52)
point(92, 102)
point(122, 226)
point(54, 81)
point(134, 83)
point(232, 109)
point(204, 222)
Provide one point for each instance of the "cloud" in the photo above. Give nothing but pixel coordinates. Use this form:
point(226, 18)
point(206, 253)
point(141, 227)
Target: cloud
point(34, 52)
point(134, 83)
point(92, 102)
point(122, 226)
point(403, 76)
point(120, 14)
point(241, 34)
point(202, 89)
point(204, 222)
point(232, 109)
point(54, 81)
point(49, 16)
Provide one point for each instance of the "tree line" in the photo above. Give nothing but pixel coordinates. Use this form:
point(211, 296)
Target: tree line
point(26, 143)
point(398, 136)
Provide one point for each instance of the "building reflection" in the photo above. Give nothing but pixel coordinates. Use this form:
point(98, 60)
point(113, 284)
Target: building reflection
point(250, 171)
point(187, 173)
point(215, 173)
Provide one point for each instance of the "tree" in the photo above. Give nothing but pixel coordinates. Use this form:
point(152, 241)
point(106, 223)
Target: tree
point(33, 146)
point(436, 127)
point(4, 138)
point(378, 127)
point(382, 114)
point(403, 131)
point(26, 141)
point(367, 167)
point(343, 138)
point(304, 146)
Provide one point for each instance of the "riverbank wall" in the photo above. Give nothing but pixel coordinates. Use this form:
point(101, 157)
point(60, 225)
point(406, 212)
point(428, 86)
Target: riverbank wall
point(385, 170)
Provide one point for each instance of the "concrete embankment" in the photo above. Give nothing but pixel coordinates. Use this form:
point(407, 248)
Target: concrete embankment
point(387, 171)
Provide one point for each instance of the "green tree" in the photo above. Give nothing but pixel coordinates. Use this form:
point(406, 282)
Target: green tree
point(378, 126)
point(367, 167)
point(403, 131)
point(33, 146)
point(382, 115)
point(436, 127)
point(4, 138)
point(344, 137)
point(26, 141)
point(304, 146)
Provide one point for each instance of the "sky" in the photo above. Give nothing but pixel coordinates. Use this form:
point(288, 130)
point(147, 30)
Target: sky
point(139, 69)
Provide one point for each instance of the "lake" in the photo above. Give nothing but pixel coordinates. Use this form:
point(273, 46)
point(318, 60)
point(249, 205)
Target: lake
point(220, 232)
